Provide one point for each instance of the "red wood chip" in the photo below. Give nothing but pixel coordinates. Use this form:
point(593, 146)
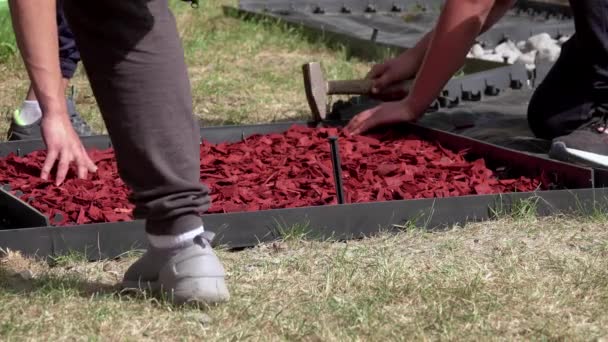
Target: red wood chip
point(273, 171)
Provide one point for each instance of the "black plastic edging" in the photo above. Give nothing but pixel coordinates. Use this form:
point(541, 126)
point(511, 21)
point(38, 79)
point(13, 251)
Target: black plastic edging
point(570, 176)
point(15, 213)
point(339, 221)
point(23, 147)
point(336, 222)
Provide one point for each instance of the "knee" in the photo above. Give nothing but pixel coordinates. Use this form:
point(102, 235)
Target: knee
point(556, 117)
point(538, 127)
point(545, 120)
point(68, 67)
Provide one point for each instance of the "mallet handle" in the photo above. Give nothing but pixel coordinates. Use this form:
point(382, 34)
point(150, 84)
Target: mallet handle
point(355, 87)
point(347, 87)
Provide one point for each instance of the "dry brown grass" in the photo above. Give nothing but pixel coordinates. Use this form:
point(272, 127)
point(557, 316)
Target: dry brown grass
point(540, 279)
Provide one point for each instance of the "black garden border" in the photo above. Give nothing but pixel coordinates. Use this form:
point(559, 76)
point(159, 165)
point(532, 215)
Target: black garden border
point(236, 230)
point(15, 213)
point(338, 222)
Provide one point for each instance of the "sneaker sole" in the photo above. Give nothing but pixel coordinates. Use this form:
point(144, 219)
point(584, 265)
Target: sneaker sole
point(143, 286)
point(559, 151)
point(203, 291)
point(190, 291)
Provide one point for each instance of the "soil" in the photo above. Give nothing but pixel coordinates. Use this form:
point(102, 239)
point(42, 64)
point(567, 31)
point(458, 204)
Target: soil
point(287, 170)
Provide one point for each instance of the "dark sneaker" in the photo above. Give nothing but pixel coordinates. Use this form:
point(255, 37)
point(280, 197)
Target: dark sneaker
point(23, 132)
point(80, 125)
point(32, 131)
point(586, 146)
point(191, 274)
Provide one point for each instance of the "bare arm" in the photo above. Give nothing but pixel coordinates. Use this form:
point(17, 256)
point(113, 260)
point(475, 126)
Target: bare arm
point(499, 9)
point(459, 25)
point(433, 61)
point(388, 76)
point(35, 26)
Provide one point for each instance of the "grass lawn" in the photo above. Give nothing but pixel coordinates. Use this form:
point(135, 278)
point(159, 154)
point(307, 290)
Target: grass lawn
point(519, 277)
point(524, 278)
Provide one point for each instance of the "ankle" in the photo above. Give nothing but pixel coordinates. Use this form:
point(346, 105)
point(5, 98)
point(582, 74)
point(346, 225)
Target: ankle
point(175, 241)
point(29, 113)
point(173, 225)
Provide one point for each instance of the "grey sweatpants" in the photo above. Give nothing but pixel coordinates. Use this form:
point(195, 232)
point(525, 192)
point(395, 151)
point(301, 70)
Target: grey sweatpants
point(134, 60)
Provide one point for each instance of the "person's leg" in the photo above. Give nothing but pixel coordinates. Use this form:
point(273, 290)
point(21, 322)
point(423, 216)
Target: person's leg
point(133, 57)
point(561, 103)
point(591, 23)
point(588, 144)
point(26, 120)
point(69, 57)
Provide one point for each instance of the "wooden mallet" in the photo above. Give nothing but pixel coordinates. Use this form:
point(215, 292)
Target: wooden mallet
point(318, 89)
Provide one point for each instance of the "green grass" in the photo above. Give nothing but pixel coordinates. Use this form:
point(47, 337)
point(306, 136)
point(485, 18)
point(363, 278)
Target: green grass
point(519, 209)
point(8, 46)
point(251, 71)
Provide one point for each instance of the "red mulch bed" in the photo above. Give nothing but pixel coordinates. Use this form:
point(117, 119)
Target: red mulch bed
point(287, 170)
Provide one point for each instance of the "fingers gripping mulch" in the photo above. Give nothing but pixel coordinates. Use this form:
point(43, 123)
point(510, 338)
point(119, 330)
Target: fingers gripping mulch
point(287, 170)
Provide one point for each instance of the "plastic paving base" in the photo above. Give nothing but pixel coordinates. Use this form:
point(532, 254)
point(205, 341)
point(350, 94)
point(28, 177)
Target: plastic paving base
point(402, 23)
point(579, 192)
point(378, 29)
point(471, 90)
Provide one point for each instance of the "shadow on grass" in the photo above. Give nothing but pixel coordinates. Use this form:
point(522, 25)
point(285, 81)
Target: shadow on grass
point(73, 285)
point(66, 285)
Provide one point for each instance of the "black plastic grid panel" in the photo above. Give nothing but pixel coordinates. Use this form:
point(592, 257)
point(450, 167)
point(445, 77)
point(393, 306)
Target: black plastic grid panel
point(470, 88)
point(402, 23)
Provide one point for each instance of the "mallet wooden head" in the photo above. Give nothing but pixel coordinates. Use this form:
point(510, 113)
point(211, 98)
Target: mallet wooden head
point(316, 90)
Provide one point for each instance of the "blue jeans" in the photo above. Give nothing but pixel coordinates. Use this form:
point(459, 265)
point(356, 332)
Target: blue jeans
point(578, 82)
point(68, 52)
